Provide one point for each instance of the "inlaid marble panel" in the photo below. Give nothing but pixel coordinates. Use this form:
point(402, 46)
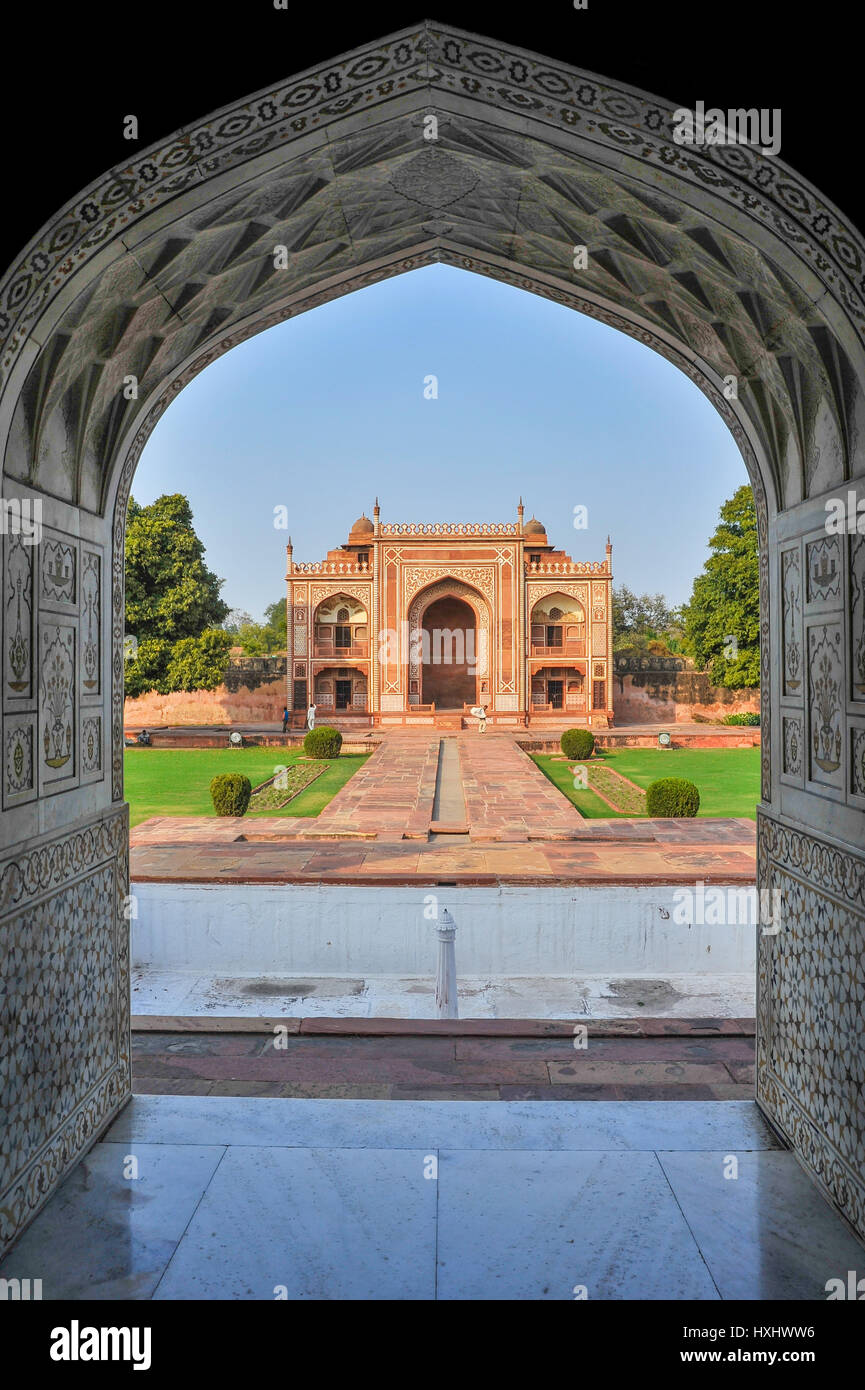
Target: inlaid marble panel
point(826, 703)
point(91, 744)
point(57, 702)
point(823, 565)
point(791, 603)
point(857, 617)
point(19, 759)
point(18, 620)
point(857, 761)
point(793, 746)
point(58, 572)
point(91, 610)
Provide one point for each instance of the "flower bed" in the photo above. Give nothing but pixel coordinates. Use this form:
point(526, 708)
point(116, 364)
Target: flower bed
point(270, 797)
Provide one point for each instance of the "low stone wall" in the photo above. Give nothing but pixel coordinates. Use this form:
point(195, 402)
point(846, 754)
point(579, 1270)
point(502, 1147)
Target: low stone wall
point(263, 705)
point(676, 697)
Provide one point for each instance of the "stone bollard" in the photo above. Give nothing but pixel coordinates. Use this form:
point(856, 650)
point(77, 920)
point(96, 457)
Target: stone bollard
point(446, 978)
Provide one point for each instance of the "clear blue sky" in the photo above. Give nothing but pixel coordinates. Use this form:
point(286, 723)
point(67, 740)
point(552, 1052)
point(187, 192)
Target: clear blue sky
point(327, 410)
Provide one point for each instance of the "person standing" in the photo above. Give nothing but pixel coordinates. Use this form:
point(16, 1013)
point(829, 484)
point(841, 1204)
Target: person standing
point(310, 717)
point(285, 718)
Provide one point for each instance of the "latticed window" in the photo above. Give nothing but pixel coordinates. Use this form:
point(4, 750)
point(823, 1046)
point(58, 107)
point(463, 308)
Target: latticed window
point(342, 634)
point(599, 694)
point(300, 695)
point(342, 615)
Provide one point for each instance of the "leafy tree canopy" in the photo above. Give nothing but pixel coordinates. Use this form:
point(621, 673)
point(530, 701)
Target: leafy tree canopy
point(172, 602)
point(170, 592)
point(722, 619)
point(645, 622)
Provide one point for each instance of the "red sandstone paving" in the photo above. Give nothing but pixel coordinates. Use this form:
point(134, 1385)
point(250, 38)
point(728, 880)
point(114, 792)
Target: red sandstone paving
point(460, 1028)
point(608, 861)
point(428, 1067)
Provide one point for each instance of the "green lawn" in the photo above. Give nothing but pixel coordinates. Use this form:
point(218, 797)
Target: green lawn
point(728, 778)
point(176, 781)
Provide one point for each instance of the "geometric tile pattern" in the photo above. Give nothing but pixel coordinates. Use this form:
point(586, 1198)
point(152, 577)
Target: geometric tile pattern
point(811, 1001)
point(64, 1011)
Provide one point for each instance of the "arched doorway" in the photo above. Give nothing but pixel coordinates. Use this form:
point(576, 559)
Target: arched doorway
point(450, 651)
point(722, 259)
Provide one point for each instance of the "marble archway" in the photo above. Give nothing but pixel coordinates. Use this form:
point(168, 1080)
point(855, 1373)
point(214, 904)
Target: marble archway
point(721, 258)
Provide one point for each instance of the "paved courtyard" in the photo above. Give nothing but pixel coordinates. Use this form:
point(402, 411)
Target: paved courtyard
point(395, 822)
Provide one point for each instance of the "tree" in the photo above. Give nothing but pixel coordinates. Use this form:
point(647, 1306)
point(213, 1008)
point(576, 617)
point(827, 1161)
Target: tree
point(170, 592)
point(645, 621)
point(199, 663)
point(722, 620)
point(275, 617)
point(237, 618)
point(259, 639)
point(171, 597)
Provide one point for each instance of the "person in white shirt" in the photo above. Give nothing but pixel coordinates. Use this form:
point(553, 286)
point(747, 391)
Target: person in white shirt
point(310, 717)
point(480, 713)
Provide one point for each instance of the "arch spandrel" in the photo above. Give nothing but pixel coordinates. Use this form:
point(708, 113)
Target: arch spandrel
point(722, 259)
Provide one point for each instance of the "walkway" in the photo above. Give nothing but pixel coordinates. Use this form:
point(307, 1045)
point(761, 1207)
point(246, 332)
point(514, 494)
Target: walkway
point(201, 849)
point(645, 1059)
point(244, 1198)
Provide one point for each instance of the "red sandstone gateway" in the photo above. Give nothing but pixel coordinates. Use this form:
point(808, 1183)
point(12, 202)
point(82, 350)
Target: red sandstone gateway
point(415, 623)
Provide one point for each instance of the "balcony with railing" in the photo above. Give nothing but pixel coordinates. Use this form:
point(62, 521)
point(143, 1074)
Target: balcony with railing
point(562, 652)
point(329, 651)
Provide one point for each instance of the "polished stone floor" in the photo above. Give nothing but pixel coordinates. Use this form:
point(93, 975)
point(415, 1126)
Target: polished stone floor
point(239, 1198)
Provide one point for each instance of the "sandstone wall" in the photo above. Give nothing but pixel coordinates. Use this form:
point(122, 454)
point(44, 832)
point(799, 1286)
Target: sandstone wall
point(220, 706)
point(676, 697)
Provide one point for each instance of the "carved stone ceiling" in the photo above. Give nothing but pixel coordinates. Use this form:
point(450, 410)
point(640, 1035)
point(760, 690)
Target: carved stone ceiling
point(354, 208)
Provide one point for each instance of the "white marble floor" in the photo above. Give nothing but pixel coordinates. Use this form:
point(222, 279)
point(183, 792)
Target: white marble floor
point(684, 995)
point(212, 1197)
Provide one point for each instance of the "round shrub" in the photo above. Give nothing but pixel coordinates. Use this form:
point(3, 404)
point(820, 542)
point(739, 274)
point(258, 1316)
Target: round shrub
point(230, 792)
point(672, 796)
point(578, 743)
point(323, 742)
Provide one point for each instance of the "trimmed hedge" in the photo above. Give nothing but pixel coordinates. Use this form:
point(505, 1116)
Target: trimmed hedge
point(750, 720)
point(323, 742)
point(577, 743)
point(672, 796)
point(230, 792)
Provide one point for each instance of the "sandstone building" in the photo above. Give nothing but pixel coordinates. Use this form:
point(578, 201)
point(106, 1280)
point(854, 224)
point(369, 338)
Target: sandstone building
point(416, 622)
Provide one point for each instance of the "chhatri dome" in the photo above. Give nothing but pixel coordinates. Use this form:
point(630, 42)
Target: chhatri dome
point(535, 528)
point(363, 525)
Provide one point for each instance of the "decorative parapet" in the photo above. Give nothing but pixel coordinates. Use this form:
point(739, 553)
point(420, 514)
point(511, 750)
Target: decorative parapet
point(542, 567)
point(329, 567)
point(449, 528)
